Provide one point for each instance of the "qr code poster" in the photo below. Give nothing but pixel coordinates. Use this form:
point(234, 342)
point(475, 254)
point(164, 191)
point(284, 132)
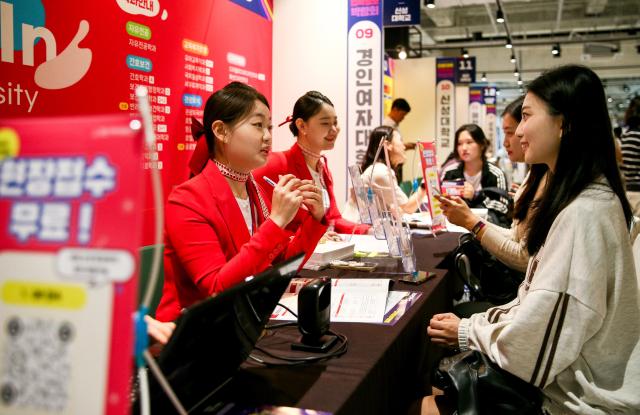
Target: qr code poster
point(71, 193)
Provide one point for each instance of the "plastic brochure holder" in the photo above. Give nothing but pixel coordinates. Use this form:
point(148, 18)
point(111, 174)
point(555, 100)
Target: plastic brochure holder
point(366, 200)
point(360, 193)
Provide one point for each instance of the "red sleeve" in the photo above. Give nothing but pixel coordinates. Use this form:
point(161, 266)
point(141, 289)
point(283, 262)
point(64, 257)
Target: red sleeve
point(201, 250)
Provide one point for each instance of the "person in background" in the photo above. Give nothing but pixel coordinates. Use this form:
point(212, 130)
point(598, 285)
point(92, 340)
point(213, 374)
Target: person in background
point(478, 173)
point(399, 109)
point(574, 329)
point(377, 175)
point(630, 146)
point(508, 245)
point(220, 226)
point(314, 124)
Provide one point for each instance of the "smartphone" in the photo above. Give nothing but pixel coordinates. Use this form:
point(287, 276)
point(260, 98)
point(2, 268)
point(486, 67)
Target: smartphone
point(418, 277)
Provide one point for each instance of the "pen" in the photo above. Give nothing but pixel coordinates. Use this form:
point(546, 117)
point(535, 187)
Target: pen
point(273, 184)
point(269, 181)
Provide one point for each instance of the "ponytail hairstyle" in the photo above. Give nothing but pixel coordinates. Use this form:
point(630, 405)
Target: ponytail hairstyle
point(230, 105)
point(306, 107)
point(378, 134)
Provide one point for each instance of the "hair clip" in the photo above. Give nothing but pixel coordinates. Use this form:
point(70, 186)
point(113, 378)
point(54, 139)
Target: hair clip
point(197, 129)
point(286, 121)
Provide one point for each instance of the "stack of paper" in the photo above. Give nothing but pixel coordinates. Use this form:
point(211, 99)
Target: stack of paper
point(369, 244)
point(330, 251)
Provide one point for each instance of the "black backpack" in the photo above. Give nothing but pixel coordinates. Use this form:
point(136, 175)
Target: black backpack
point(488, 279)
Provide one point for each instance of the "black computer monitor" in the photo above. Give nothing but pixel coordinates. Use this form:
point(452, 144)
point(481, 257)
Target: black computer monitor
point(214, 337)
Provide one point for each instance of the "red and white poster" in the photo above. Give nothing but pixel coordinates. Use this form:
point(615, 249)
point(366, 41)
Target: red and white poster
point(63, 57)
point(429, 163)
point(71, 192)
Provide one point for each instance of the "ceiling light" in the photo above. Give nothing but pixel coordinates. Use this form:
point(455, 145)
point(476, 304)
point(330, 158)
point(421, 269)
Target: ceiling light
point(402, 52)
point(430, 3)
point(513, 58)
point(464, 52)
point(484, 77)
point(508, 45)
point(499, 15)
point(519, 81)
point(515, 72)
point(555, 50)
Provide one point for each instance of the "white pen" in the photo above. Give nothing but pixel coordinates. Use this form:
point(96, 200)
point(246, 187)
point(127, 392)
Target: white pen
point(269, 181)
point(273, 184)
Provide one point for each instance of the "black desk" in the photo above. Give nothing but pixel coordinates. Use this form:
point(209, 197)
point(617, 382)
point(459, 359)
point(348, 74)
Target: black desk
point(386, 367)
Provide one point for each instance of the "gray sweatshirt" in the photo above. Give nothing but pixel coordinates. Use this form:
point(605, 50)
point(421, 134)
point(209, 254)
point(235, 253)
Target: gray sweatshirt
point(574, 327)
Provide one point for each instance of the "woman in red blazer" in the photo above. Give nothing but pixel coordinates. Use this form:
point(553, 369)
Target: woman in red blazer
point(220, 227)
point(315, 125)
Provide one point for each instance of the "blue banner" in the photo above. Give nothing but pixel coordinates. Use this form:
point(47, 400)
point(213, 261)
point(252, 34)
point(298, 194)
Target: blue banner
point(401, 12)
point(466, 70)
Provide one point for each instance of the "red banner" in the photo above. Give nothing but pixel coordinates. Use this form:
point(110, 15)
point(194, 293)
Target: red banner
point(70, 57)
point(71, 191)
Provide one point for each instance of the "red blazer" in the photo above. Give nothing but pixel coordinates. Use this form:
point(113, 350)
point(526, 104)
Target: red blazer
point(208, 247)
point(292, 162)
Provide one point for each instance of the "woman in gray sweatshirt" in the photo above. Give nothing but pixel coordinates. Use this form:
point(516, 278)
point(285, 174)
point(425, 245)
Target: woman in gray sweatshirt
point(574, 328)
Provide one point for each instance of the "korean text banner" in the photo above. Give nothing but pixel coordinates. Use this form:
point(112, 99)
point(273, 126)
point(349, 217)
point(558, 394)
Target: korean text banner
point(445, 105)
point(67, 57)
point(71, 193)
point(401, 12)
point(364, 75)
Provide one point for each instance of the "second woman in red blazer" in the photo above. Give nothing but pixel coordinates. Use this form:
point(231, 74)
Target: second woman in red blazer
point(315, 125)
point(220, 225)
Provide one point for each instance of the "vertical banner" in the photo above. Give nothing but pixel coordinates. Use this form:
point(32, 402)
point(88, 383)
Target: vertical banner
point(364, 75)
point(432, 184)
point(476, 105)
point(401, 12)
point(445, 106)
point(489, 127)
point(388, 84)
point(71, 192)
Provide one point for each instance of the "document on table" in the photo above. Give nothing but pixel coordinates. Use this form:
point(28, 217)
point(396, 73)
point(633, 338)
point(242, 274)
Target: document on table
point(356, 300)
point(359, 300)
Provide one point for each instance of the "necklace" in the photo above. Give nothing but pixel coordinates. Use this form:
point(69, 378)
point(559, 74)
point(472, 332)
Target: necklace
point(308, 152)
point(234, 175)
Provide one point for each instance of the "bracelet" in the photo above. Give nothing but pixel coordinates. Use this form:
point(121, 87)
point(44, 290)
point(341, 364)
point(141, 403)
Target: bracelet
point(477, 228)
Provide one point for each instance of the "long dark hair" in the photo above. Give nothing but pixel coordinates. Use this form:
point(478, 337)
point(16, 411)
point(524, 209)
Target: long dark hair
point(229, 105)
point(306, 107)
point(587, 149)
point(514, 109)
point(478, 136)
point(378, 134)
point(536, 172)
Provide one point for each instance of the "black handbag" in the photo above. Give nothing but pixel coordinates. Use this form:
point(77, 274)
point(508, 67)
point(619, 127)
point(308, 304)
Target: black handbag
point(480, 386)
point(488, 279)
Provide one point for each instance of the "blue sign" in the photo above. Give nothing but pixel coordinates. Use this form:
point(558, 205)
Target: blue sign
point(401, 12)
point(466, 70)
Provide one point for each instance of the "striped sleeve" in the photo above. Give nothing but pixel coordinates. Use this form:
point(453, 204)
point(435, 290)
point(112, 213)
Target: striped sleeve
point(543, 331)
point(499, 204)
point(630, 146)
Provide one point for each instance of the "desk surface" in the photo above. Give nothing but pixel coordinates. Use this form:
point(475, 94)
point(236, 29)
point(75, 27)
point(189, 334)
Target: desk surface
point(385, 368)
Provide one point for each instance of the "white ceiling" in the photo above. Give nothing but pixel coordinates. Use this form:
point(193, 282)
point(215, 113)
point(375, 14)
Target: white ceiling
point(602, 34)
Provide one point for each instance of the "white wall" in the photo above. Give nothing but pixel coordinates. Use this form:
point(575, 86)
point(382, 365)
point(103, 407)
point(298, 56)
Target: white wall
point(310, 53)
point(415, 81)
